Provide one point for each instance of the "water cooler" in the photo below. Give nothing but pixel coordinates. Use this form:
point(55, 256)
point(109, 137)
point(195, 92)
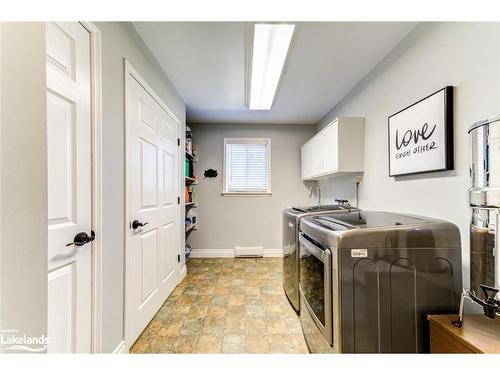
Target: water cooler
point(484, 201)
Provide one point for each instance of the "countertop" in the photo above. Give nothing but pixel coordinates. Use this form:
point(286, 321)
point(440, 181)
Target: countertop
point(478, 333)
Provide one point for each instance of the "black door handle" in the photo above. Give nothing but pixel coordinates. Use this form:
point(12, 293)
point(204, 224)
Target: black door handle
point(82, 238)
point(136, 224)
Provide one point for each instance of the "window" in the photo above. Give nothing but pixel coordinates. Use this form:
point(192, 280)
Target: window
point(247, 164)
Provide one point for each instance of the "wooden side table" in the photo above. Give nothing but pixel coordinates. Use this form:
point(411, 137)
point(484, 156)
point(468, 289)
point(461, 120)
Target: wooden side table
point(477, 335)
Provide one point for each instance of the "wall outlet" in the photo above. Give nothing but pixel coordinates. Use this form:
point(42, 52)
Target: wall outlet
point(357, 179)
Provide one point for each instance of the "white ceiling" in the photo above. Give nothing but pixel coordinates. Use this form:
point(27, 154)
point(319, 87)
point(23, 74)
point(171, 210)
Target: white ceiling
point(206, 63)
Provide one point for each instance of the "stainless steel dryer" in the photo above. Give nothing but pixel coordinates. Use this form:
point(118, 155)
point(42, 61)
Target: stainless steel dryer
point(368, 280)
point(291, 221)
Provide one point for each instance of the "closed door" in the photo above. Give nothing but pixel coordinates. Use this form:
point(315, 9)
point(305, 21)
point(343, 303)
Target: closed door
point(315, 284)
point(306, 160)
point(290, 259)
point(316, 156)
point(69, 187)
point(153, 205)
point(329, 148)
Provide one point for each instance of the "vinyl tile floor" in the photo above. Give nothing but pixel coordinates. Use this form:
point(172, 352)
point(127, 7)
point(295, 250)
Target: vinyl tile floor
point(226, 305)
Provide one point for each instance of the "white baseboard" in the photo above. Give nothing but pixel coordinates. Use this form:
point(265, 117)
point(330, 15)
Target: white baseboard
point(121, 348)
point(229, 253)
point(212, 253)
point(182, 273)
point(273, 253)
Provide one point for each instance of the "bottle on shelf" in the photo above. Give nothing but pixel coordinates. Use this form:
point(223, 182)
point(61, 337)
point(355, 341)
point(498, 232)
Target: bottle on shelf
point(189, 141)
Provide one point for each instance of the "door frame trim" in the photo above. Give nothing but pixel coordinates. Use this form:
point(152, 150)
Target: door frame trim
point(130, 70)
point(97, 187)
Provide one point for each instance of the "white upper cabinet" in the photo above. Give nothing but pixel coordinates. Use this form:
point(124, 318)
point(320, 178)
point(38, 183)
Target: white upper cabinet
point(306, 160)
point(337, 148)
point(315, 155)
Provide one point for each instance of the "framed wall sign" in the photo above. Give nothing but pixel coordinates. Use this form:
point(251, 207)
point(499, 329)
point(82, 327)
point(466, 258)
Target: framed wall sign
point(421, 136)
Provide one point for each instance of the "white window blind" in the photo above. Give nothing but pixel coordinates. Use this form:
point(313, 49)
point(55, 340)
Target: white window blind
point(247, 165)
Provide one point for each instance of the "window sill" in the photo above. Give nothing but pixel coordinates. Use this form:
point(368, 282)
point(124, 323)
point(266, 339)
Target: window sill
point(246, 194)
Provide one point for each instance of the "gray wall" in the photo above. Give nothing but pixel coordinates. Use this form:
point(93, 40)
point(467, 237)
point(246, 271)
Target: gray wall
point(229, 221)
point(23, 179)
point(464, 55)
point(120, 40)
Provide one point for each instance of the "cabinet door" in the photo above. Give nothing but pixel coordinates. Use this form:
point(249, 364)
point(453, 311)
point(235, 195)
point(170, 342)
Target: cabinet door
point(306, 160)
point(329, 148)
point(316, 155)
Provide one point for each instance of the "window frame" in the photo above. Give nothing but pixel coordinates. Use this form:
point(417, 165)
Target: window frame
point(250, 140)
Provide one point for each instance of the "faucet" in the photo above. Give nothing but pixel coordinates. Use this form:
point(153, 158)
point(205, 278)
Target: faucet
point(319, 193)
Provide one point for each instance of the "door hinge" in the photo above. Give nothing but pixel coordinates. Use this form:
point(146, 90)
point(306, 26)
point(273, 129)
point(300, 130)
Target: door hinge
point(178, 258)
point(178, 200)
point(178, 141)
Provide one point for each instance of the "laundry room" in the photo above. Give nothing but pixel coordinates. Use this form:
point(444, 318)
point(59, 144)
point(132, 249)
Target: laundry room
point(262, 187)
point(250, 186)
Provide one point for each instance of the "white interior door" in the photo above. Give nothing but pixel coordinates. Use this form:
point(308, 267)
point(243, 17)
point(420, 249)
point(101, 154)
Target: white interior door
point(69, 187)
point(153, 204)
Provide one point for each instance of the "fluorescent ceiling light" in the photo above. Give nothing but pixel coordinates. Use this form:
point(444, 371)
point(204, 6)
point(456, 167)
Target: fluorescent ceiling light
point(270, 48)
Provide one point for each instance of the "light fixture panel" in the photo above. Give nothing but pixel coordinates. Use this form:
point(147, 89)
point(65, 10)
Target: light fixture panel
point(270, 48)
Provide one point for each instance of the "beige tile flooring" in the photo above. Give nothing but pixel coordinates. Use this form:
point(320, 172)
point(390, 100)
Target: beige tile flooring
point(226, 306)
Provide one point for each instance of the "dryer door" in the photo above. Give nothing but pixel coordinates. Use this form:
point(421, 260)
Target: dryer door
point(316, 284)
point(290, 260)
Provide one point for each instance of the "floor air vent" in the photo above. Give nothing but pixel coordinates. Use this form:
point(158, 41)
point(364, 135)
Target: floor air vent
point(248, 252)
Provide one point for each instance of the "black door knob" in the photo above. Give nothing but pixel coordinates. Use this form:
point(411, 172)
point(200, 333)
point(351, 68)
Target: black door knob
point(82, 238)
point(136, 224)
